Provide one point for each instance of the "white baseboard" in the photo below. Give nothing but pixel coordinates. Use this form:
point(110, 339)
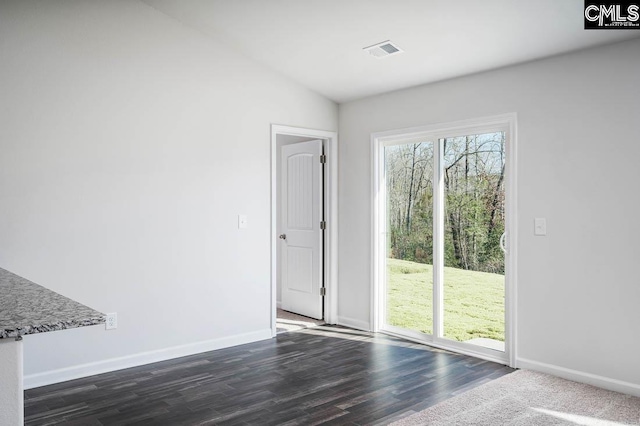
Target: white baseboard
point(278, 304)
point(353, 323)
point(84, 370)
point(580, 376)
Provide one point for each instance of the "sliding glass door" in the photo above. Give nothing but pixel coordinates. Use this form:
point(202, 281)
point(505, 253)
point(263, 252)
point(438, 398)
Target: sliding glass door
point(441, 218)
point(474, 217)
point(409, 246)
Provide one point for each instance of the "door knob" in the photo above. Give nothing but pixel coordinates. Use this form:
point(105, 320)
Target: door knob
point(283, 236)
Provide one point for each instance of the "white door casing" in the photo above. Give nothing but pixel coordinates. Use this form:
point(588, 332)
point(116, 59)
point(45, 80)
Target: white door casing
point(301, 237)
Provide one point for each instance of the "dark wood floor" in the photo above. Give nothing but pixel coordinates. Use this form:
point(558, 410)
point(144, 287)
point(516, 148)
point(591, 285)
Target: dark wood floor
point(324, 375)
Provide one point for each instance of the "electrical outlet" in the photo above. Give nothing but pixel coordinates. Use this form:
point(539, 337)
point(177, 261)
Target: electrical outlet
point(112, 321)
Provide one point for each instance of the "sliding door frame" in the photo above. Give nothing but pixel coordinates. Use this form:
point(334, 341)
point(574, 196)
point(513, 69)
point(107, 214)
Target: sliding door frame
point(434, 133)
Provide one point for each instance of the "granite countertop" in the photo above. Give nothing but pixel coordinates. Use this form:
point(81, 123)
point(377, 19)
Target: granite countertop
point(29, 308)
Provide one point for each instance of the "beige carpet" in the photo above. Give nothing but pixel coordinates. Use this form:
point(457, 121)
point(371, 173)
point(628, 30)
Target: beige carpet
point(526, 398)
point(288, 321)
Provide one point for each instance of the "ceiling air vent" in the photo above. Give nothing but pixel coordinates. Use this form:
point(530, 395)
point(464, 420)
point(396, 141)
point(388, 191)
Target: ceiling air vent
point(381, 50)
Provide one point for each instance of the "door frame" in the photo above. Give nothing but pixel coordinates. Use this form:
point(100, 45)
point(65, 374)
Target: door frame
point(378, 252)
point(330, 249)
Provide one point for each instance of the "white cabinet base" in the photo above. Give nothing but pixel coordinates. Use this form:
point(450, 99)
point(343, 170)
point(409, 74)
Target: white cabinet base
point(11, 389)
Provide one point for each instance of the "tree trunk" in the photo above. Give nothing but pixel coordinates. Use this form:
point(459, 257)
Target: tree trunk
point(411, 184)
point(494, 205)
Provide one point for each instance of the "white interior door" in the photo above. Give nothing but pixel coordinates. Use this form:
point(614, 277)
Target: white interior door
point(301, 233)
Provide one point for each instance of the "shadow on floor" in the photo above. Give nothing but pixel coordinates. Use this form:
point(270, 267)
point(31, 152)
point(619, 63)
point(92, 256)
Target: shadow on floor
point(288, 321)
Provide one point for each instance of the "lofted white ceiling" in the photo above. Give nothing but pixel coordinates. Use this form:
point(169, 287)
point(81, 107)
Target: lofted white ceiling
point(319, 42)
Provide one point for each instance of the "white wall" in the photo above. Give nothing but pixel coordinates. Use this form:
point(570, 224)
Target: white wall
point(578, 287)
point(129, 144)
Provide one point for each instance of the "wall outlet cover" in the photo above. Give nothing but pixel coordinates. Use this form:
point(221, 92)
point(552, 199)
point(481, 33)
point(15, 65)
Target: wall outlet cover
point(112, 321)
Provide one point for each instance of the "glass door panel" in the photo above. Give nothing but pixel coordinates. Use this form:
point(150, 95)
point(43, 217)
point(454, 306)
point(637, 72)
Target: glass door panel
point(473, 169)
point(408, 169)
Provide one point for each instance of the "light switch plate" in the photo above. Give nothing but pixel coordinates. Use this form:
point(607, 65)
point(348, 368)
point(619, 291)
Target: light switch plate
point(540, 226)
point(242, 221)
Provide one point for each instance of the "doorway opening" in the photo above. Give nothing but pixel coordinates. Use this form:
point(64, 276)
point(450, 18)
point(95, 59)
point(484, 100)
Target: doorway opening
point(303, 227)
point(444, 220)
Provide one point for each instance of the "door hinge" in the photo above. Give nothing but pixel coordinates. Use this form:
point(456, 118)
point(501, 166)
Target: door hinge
point(323, 225)
point(323, 291)
point(323, 159)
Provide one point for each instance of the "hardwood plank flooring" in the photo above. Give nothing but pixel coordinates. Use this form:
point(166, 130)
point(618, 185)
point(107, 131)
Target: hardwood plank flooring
point(325, 375)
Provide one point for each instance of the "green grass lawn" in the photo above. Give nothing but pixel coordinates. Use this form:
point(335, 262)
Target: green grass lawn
point(473, 301)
